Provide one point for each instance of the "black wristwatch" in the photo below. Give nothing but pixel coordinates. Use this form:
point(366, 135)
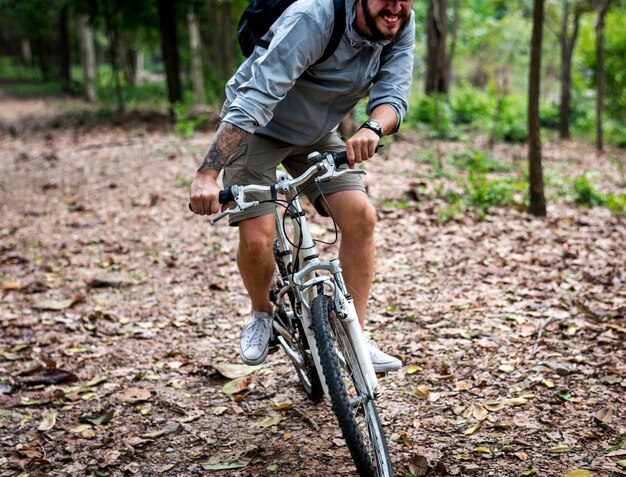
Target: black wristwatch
point(374, 126)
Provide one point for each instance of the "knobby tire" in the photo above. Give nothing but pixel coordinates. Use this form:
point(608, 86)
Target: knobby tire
point(370, 462)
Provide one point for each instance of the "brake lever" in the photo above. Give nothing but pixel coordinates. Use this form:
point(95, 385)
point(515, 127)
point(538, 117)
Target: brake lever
point(216, 218)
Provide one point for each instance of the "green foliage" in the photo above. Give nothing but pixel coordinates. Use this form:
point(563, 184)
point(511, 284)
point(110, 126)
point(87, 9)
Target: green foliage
point(433, 112)
point(549, 116)
point(587, 193)
point(478, 162)
point(471, 106)
point(512, 124)
point(615, 60)
point(185, 123)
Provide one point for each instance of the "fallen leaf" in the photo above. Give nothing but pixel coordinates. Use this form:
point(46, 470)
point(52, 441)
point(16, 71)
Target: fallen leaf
point(237, 385)
point(413, 368)
point(560, 448)
point(506, 368)
point(133, 395)
point(513, 402)
point(270, 421)
point(48, 422)
point(172, 427)
point(234, 371)
point(283, 406)
point(165, 468)
point(190, 417)
point(605, 415)
point(472, 430)
point(479, 412)
point(421, 392)
point(58, 305)
point(418, 465)
point(548, 383)
point(219, 410)
point(578, 473)
point(58, 376)
point(12, 286)
point(482, 450)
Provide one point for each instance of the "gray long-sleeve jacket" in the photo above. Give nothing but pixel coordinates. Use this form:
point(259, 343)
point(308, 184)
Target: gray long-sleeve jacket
point(280, 92)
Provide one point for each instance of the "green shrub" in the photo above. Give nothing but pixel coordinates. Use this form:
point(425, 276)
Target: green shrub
point(550, 116)
point(478, 161)
point(433, 111)
point(185, 124)
point(512, 124)
point(472, 106)
point(586, 193)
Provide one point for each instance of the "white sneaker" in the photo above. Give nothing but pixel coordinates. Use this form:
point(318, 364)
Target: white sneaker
point(255, 338)
point(383, 363)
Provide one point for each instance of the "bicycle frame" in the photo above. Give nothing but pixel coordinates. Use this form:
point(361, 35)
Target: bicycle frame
point(307, 281)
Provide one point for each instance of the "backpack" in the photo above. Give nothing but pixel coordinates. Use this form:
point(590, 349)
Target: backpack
point(260, 15)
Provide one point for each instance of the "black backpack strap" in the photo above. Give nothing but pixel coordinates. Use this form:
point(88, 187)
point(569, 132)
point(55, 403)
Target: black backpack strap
point(339, 27)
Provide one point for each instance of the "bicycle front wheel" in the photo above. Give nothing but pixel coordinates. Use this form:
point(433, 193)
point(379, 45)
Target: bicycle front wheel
point(355, 411)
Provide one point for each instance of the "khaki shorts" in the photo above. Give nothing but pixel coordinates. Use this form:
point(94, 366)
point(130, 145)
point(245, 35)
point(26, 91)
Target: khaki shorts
point(255, 162)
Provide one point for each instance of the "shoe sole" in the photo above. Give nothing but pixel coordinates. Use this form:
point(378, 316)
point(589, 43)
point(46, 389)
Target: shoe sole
point(254, 362)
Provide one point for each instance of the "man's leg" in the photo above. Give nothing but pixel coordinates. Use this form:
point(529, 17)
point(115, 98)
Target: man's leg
point(255, 258)
point(356, 218)
point(256, 265)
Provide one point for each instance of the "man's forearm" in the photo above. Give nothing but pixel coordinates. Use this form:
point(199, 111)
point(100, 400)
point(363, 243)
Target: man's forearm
point(226, 140)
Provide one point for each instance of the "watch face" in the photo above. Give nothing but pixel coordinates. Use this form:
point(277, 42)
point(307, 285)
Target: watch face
point(374, 126)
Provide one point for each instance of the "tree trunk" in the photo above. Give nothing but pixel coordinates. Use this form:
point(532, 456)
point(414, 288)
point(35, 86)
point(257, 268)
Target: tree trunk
point(537, 198)
point(454, 29)
point(601, 7)
point(567, 50)
point(227, 40)
point(436, 26)
point(113, 56)
point(64, 49)
point(87, 57)
point(169, 49)
point(196, 55)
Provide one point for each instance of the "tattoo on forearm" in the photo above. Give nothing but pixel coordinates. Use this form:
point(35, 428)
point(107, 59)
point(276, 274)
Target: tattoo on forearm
point(226, 140)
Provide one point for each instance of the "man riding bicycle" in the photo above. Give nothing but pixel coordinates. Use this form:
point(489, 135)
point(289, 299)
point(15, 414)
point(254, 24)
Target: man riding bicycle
point(282, 104)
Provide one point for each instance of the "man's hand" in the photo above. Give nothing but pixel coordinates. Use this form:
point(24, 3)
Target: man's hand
point(203, 194)
point(361, 146)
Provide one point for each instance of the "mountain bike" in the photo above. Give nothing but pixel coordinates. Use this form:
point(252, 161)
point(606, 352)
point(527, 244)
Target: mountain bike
point(314, 318)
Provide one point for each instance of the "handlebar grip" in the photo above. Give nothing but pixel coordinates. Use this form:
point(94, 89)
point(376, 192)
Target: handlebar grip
point(340, 158)
point(226, 196)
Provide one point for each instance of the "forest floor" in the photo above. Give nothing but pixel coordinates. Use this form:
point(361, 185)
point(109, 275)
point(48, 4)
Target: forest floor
point(120, 313)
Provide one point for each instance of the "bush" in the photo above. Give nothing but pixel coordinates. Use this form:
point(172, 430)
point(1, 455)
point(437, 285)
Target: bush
point(432, 111)
point(512, 124)
point(472, 106)
point(550, 116)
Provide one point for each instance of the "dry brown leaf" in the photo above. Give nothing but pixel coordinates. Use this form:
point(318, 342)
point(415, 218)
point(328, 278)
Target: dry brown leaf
point(479, 412)
point(48, 422)
point(418, 465)
point(134, 395)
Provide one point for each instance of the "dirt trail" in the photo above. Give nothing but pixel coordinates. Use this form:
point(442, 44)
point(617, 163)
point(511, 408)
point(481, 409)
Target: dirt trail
point(105, 275)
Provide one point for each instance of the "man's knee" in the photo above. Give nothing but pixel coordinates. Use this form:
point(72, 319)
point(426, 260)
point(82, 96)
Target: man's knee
point(256, 236)
point(361, 219)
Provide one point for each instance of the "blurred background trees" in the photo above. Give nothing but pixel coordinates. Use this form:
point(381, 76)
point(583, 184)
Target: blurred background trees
point(473, 60)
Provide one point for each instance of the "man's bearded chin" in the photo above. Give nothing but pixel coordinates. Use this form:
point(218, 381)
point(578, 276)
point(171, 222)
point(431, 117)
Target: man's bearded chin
point(370, 20)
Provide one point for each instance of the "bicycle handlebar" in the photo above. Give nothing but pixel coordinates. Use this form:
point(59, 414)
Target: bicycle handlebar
point(323, 167)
